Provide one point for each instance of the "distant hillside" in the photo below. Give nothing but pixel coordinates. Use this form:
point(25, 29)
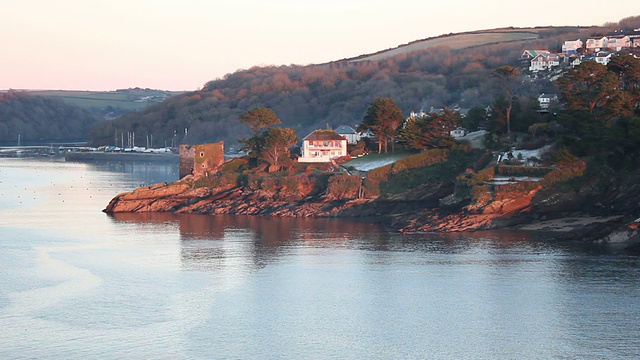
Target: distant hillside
point(450, 70)
point(109, 104)
point(478, 38)
point(38, 118)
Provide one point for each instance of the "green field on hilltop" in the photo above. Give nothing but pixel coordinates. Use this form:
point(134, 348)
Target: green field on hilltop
point(129, 99)
point(455, 42)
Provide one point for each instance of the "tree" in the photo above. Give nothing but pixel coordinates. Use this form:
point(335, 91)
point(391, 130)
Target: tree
point(476, 117)
point(437, 131)
point(383, 118)
point(259, 118)
point(507, 77)
point(498, 115)
point(411, 134)
point(627, 69)
point(589, 87)
point(277, 142)
point(429, 131)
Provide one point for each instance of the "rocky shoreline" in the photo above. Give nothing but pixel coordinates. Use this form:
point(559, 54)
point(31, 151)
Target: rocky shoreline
point(512, 211)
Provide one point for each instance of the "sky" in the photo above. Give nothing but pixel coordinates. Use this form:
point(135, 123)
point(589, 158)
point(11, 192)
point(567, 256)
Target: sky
point(182, 44)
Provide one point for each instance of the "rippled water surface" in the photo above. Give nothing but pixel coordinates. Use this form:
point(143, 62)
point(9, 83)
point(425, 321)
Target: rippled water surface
point(78, 284)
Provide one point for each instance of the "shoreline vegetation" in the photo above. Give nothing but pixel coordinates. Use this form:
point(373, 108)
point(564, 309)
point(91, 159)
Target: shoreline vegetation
point(432, 191)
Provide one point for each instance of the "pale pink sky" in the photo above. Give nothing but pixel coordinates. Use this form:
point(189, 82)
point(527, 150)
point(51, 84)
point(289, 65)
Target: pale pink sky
point(182, 44)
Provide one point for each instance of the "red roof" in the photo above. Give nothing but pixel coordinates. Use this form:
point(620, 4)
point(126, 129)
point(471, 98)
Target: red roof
point(324, 135)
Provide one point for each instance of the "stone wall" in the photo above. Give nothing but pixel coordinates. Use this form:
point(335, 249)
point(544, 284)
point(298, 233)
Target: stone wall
point(201, 159)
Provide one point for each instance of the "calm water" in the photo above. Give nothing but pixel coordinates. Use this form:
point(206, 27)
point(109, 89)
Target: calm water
point(78, 284)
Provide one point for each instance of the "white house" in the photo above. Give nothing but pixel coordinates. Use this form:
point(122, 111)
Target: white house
point(458, 132)
point(530, 54)
point(575, 60)
point(323, 146)
point(594, 45)
point(544, 62)
point(603, 57)
point(545, 100)
point(619, 43)
point(349, 133)
point(571, 46)
point(414, 114)
point(636, 42)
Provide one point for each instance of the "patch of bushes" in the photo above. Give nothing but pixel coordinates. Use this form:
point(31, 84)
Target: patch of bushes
point(380, 174)
point(480, 194)
point(217, 180)
point(564, 173)
point(439, 174)
point(426, 158)
point(484, 160)
point(235, 165)
point(471, 179)
point(521, 170)
point(268, 183)
point(372, 187)
point(518, 187)
point(202, 182)
point(344, 185)
point(288, 184)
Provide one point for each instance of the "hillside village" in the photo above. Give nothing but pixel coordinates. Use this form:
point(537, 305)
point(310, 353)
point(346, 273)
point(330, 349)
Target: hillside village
point(326, 146)
point(574, 52)
point(532, 146)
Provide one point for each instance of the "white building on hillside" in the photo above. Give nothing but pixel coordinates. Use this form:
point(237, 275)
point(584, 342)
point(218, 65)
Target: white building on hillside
point(619, 43)
point(349, 133)
point(594, 45)
point(323, 146)
point(571, 46)
point(545, 100)
point(603, 57)
point(544, 62)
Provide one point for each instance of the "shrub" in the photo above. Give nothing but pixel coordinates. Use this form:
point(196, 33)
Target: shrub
point(471, 179)
point(563, 173)
point(253, 181)
point(268, 183)
point(521, 170)
point(422, 159)
point(520, 187)
point(486, 158)
point(380, 174)
point(480, 194)
point(372, 187)
point(398, 167)
point(344, 185)
point(288, 184)
point(234, 165)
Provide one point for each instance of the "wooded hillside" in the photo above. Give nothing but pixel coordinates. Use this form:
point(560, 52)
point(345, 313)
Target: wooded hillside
point(38, 118)
point(311, 97)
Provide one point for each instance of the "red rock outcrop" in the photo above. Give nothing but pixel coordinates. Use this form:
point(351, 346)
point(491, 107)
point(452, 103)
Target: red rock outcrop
point(493, 211)
point(182, 197)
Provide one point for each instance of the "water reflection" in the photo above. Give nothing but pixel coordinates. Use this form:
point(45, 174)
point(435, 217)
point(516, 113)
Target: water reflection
point(80, 284)
point(252, 242)
point(211, 238)
point(144, 173)
point(496, 294)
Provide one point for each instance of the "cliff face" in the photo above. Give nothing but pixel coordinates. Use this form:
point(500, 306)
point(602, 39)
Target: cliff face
point(183, 197)
point(466, 203)
point(493, 210)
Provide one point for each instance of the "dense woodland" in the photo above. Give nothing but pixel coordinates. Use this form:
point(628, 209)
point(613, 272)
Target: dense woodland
point(317, 96)
point(38, 118)
point(312, 97)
